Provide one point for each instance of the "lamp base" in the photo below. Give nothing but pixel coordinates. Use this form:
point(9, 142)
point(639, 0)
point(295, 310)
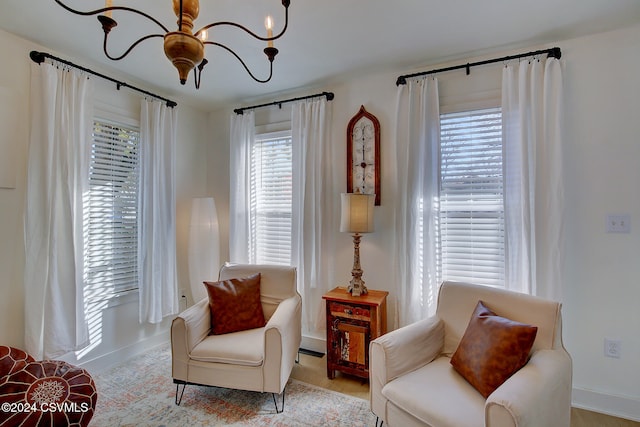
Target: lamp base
point(356, 289)
point(356, 285)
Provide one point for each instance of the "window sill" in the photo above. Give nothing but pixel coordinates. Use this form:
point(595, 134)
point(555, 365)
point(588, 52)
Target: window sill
point(114, 300)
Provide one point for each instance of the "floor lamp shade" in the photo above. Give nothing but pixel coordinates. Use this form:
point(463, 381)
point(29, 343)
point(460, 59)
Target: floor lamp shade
point(204, 246)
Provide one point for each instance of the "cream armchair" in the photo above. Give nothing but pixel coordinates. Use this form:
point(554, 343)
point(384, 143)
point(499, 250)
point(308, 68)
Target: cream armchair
point(413, 383)
point(257, 359)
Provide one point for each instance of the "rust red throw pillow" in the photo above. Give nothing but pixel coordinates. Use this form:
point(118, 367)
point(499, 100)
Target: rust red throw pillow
point(235, 305)
point(492, 349)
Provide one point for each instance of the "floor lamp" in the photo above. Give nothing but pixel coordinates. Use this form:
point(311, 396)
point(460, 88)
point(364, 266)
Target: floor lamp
point(204, 246)
point(357, 218)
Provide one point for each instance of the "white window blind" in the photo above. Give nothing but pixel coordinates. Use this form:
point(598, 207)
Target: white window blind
point(471, 220)
point(111, 231)
point(271, 199)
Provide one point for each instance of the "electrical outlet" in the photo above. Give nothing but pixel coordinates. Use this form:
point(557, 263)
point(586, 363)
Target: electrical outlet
point(612, 348)
point(618, 223)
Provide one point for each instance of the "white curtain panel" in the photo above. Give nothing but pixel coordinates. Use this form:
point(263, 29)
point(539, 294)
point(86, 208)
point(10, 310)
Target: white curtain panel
point(532, 131)
point(417, 157)
point(313, 218)
point(242, 136)
point(204, 246)
point(157, 276)
point(57, 179)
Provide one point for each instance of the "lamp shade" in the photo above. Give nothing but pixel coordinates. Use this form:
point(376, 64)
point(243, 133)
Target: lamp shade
point(357, 212)
point(204, 246)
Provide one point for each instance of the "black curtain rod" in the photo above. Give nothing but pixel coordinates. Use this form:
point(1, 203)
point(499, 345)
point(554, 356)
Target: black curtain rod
point(329, 96)
point(39, 57)
point(553, 52)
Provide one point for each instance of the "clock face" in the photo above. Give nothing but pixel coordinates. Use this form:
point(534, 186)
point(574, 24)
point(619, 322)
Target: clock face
point(363, 154)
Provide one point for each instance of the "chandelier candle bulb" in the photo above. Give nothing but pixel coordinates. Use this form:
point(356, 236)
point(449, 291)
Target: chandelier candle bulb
point(108, 3)
point(268, 23)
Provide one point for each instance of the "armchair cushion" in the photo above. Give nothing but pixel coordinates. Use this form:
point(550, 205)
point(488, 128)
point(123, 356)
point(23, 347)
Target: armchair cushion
point(235, 304)
point(492, 349)
point(438, 384)
point(242, 348)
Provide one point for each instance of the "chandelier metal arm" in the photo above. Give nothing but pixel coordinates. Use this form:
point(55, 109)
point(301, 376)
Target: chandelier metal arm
point(182, 47)
point(107, 9)
point(244, 64)
point(136, 43)
point(247, 30)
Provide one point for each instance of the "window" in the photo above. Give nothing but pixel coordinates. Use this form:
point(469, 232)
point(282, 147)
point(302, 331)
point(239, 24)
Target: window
point(271, 198)
point(111, 230)
point(471, 211)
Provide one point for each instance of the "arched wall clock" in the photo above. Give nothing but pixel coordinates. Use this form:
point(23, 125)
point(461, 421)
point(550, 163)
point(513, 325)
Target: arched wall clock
point(363, 154)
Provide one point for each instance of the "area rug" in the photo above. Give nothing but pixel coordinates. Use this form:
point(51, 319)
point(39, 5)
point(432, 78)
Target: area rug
point(141, 392)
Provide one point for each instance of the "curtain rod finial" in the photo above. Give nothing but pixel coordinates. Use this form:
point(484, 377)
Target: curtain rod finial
point(555, 53)
point(37, 57)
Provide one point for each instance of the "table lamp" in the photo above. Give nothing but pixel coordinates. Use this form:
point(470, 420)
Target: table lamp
point(357, 218)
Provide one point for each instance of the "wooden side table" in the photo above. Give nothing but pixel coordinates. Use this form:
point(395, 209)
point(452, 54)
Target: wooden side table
point(352, 322)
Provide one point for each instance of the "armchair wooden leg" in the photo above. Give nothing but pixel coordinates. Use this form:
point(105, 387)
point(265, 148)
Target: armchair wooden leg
point(275, 402)
point(179, 399)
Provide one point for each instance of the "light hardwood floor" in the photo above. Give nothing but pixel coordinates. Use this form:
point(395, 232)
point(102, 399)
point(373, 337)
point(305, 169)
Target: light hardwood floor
point(313, 370)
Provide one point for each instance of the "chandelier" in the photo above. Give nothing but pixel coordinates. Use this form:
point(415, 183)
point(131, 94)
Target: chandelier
point(184, 48)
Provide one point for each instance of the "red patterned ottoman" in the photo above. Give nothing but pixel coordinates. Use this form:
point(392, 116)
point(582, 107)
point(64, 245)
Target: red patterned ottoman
point(46, 393)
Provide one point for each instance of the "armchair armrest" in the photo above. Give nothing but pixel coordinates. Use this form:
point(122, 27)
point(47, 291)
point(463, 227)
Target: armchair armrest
point(283, 334)
point(187, 330)
point(538, 394)
point(402, 351)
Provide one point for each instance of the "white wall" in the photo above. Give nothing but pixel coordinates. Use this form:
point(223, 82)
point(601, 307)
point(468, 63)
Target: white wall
point(603, 176)
point(602, 158)
point(117, 329)
point(14, 80)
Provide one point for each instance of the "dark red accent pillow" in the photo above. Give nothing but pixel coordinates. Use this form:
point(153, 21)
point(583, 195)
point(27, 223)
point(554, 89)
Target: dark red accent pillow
point(492, 349)
point(235, 305)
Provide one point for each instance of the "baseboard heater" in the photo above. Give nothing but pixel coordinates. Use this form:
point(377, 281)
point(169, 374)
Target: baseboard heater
point(311, 352)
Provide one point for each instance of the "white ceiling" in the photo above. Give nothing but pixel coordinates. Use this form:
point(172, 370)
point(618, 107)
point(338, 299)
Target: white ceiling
point(326, 38)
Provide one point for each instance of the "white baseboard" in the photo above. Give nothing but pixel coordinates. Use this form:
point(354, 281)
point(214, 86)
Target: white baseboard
point(106, 361)
point(314, 344)
point(617, 406)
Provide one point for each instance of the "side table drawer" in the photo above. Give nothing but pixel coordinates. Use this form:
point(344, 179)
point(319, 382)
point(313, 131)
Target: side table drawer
point(349, 311)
